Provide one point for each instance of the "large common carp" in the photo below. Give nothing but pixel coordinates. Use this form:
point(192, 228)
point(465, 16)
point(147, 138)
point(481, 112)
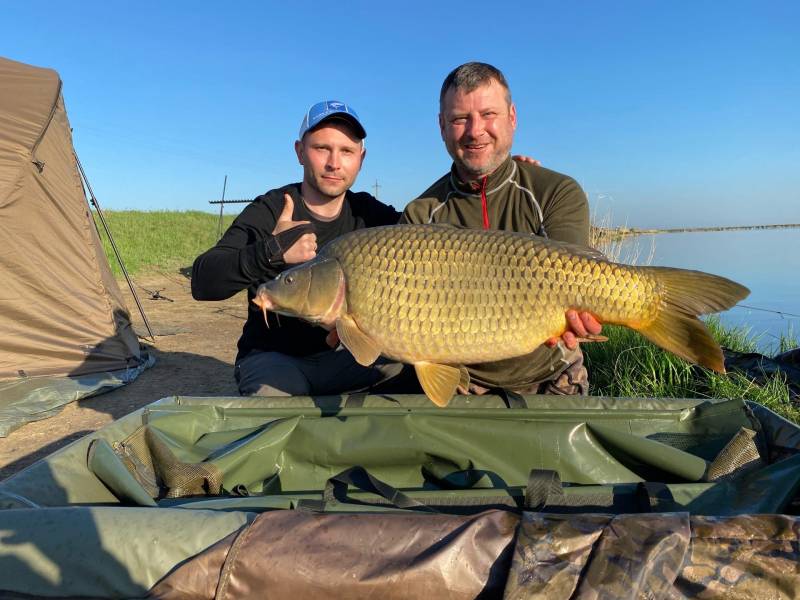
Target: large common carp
point(440, 297)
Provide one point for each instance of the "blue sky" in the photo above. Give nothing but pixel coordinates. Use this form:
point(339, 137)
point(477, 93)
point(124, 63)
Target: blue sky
point(668, 113)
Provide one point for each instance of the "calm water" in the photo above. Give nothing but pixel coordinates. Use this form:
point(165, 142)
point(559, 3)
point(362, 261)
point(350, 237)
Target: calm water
point(766, 261)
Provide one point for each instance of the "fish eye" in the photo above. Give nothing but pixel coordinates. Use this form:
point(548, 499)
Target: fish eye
point(289, 279)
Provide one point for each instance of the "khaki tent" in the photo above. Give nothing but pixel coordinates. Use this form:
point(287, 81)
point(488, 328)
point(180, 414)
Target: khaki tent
point(64, 330)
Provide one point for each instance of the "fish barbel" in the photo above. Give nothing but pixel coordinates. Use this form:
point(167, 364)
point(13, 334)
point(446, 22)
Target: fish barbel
point(440, 297)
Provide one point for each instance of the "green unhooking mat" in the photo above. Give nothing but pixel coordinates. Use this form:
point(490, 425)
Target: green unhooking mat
point(368, 496)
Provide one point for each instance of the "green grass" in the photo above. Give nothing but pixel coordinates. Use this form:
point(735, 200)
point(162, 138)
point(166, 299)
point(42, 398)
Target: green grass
point(628, 365)
point(158, 241)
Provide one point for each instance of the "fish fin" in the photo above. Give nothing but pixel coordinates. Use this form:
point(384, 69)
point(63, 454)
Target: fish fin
point(697, 293)
point(684, 296)
point(687, 337)
point(439, 382)
point(591, 337)
point(464, 379)
point(361, 346)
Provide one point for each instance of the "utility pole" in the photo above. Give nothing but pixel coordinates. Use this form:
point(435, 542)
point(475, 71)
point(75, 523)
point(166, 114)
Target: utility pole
point(221, 208)
point(375, 187)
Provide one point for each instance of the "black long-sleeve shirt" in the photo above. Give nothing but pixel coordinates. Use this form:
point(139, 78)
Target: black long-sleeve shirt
point(240, 260)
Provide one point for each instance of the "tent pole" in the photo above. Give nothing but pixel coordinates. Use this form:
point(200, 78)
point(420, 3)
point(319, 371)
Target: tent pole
point(96, 205)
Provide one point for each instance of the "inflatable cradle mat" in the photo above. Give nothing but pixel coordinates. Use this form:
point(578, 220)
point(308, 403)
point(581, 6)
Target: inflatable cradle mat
point(388, 496)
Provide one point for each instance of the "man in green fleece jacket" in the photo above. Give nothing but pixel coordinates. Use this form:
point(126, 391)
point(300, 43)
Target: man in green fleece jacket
point(487, 189)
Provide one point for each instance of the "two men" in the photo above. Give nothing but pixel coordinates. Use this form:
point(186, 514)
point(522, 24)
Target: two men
point(485, 188)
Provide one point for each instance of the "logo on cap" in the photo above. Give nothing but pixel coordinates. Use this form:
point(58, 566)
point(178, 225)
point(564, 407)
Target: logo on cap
point(328, 109)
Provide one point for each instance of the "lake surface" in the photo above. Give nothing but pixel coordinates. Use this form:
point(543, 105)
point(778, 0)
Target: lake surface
point(765, 260)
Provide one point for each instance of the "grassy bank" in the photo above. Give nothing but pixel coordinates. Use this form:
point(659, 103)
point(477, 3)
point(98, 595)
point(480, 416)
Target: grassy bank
point(159, 241)
point(626, 365)
point(629, 365)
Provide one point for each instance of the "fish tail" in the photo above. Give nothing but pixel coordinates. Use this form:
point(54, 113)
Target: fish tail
point(684, 296)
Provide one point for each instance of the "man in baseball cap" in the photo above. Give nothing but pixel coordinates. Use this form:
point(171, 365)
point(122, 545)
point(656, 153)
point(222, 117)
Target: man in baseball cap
point(282, 228)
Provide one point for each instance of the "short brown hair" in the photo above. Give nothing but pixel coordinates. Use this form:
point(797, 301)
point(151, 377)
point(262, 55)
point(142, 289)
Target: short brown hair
point(471, 76)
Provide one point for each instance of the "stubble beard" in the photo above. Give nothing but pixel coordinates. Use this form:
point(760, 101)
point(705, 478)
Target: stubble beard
point(477, 168)
point(476, 171)
point(329, 191)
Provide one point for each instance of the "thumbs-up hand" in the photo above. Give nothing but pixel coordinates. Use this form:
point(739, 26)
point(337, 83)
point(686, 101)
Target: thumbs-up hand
point(305, 248)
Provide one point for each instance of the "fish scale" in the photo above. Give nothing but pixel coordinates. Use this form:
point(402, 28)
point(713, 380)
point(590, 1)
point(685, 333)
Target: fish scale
point(465, 296)
point(440, 297)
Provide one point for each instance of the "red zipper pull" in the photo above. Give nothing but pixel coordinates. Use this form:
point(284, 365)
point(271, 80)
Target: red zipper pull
point(484, 204)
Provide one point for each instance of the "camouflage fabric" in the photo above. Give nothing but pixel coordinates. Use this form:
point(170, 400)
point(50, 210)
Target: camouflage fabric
point(572, 380)
point(667, 555)
point(551, 553)
point(749, 556)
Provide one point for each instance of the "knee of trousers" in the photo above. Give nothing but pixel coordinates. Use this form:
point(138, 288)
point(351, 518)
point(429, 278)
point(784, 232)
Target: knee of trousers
point(271, 374)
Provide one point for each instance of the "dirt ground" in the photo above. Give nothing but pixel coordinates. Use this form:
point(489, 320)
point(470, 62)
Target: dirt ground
point(194, 347)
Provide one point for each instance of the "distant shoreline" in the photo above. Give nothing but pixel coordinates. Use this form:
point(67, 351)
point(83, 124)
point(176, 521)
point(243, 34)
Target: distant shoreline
point(629, 231)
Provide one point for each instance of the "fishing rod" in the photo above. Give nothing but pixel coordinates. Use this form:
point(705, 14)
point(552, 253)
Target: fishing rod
point(96, 205)
point(769, 310)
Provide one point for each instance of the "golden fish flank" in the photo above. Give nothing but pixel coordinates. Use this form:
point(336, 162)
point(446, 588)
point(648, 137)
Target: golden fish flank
point(439, 297)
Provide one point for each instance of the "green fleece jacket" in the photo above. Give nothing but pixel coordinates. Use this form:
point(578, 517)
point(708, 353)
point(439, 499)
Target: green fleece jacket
point(518, 197)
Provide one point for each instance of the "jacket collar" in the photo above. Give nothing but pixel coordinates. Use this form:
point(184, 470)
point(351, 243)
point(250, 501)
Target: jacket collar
point(496, 179)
